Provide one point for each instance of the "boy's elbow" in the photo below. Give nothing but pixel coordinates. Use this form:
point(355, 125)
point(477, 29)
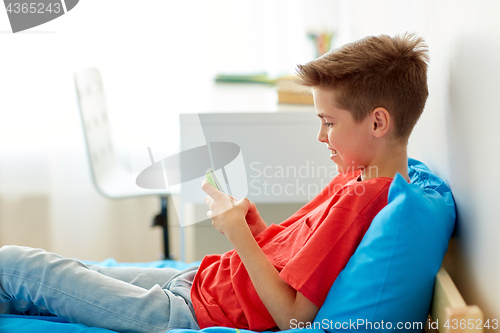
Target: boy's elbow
point(290, 323)
point(296, 321)
point(302, 314)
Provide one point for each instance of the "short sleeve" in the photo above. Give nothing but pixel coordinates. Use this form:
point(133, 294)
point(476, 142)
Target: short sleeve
point(335, 234)
point(315, 267)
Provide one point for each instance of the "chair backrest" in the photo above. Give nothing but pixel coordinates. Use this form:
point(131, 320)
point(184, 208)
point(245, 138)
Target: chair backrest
point(92, 104)
point(110, 177)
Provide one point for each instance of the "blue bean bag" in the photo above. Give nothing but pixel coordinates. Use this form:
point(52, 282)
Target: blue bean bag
point(386, 285)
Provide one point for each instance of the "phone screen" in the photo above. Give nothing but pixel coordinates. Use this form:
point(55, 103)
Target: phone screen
point(213, 180)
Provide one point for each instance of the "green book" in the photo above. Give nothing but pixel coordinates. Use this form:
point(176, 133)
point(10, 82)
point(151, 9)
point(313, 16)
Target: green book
point(245, 78)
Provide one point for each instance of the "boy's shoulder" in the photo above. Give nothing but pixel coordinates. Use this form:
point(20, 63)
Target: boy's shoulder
point(348, 183)
point(351, 193)
point(346, 192)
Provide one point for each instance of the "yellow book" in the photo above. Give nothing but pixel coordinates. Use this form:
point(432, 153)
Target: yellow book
point(291, 92)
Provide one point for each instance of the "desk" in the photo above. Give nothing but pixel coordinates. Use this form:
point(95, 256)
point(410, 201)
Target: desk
point(283, 161)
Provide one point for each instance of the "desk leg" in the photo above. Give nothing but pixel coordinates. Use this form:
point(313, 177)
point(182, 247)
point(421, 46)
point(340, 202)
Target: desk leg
point(162, 220)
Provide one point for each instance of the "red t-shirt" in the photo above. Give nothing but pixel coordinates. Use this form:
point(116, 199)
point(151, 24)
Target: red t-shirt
point(309, 249)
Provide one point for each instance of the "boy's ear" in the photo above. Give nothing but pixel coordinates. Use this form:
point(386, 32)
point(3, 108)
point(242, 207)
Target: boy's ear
point(381, 121)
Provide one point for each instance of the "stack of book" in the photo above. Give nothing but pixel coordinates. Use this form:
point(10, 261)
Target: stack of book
point(291, 92)
point(288, 90)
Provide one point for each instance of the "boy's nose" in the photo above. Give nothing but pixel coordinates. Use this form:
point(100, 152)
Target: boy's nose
point(322, 137)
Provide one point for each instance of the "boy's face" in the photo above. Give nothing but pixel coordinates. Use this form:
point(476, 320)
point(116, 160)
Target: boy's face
point(350, 143)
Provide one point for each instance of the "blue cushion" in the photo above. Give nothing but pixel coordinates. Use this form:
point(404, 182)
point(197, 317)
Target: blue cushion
point(389, 280)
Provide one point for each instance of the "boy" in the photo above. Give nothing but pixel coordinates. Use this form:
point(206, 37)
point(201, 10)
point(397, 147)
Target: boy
point(368, 96)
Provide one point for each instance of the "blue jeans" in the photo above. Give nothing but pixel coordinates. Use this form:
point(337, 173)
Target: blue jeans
point(123, 299)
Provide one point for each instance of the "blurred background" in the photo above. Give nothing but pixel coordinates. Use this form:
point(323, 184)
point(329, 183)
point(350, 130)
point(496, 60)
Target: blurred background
point(159, 59)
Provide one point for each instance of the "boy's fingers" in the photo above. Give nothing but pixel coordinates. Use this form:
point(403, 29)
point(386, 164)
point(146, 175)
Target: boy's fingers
point(251, 206)
point(214, 193)
point(209, 189)
point(208, 200)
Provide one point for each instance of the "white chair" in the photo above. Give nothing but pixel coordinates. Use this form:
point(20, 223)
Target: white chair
point(109, 176)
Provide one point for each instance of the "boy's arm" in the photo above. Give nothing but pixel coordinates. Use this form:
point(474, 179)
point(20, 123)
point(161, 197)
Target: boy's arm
point(282, 301)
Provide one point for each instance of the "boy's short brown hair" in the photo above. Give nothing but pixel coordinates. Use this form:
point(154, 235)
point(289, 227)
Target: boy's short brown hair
point(375, 72)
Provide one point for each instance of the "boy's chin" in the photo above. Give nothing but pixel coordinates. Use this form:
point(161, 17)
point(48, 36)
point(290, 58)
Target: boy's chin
point(342, 169)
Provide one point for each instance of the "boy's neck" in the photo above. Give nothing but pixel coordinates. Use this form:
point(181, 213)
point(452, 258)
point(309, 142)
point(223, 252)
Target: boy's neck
point(387, 164)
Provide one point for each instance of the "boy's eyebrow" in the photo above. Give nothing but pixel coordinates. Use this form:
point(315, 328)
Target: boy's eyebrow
point(321, 115)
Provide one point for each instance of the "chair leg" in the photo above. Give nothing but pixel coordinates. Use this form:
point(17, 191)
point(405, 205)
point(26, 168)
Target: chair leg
point(162, 220)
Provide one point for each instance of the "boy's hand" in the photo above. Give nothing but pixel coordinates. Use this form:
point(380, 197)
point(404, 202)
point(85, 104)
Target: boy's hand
point(254, 220)
point(227, 214)
point(252, 217)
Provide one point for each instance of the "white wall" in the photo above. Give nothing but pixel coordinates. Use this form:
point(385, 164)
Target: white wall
point(157, 59)
point(457, 135)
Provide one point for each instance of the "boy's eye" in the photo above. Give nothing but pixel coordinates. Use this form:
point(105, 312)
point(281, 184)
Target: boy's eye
point(328, 124)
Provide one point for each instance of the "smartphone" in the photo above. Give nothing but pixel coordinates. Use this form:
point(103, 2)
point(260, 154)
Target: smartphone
point(213, 180)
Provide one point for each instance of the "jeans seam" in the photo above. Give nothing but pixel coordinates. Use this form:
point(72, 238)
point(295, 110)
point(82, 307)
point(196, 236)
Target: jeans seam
point(60, 291)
